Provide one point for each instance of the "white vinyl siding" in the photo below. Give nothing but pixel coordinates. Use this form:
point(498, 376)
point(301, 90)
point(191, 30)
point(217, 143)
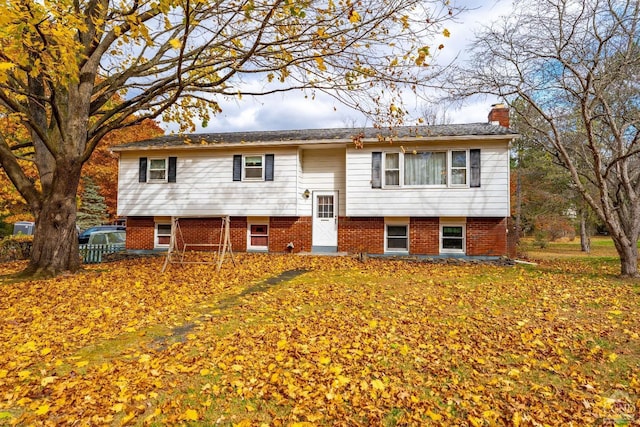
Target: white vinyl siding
point(489, 200)
point(322, 170)
point(206, 186)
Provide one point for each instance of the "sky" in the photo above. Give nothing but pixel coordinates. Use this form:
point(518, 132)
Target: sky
point(292, 111)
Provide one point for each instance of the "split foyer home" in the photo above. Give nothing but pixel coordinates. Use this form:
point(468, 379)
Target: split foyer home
point(417, 190)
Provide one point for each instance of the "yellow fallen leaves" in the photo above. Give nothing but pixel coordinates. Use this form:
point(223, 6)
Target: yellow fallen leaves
point(380, 343)
point(190, 415)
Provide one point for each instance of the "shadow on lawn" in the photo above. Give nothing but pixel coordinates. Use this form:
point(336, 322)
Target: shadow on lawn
point(179, 333)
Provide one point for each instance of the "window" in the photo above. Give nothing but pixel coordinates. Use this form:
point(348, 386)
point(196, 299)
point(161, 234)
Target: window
point(258, 236)
point(391, 169)
point(458, 168)
point(425, 168)
point(452, 238)
point(254, 167)
point(397, 238)
point(157, 170)
point(163, 235)
point(325, 207)
point(453, 168)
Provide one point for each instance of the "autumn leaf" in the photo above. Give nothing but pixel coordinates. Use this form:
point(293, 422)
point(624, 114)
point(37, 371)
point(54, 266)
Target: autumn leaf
point(446, 33)
point(324, 360)
point(118, 407)
point(377, 384)
point(190, 415)
point(42, 409)
point(320, 62)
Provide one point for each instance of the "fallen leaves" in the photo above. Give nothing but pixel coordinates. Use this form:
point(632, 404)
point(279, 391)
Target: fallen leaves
point(346, 343)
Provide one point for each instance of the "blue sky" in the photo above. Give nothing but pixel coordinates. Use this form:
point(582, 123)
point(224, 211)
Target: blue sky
point(292, 111)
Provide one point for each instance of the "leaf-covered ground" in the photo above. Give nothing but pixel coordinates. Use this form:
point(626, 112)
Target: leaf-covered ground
point(331, 342)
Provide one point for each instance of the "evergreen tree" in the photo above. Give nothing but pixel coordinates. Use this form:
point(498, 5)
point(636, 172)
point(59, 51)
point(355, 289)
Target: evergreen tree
point(93, 209)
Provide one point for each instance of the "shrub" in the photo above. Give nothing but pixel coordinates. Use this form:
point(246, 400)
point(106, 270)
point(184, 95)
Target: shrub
point(17, 247)
point(554, 227)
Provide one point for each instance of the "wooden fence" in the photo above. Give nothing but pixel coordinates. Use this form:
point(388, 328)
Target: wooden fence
point(92, 254)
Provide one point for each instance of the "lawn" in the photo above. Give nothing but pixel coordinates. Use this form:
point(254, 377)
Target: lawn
point(302, 341)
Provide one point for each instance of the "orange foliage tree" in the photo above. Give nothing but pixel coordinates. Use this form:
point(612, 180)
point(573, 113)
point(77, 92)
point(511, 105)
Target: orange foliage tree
point(102, 167)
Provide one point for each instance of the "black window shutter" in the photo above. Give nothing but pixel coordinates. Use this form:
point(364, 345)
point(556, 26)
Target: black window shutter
point(172, 169)
point(268, 167)
point(142, 171)
point(237, 167)
point(474, 159)
point(376, 163)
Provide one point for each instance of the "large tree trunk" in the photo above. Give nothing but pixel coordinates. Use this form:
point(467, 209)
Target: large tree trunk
point(55, 243)
point(628, 252)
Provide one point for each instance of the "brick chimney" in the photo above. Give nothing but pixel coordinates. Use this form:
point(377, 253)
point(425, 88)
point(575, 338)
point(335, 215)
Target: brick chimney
point(499, 115)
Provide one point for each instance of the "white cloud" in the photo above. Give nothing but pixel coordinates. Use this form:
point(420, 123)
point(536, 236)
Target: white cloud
point(292, 110)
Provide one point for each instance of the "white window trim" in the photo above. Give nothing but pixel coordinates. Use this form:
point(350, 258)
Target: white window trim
point(402, 184)
point(156, 235)
point(257, 248)
point(244, 167)
point(400, 170)
point(166, 169)
point(397, 222)
point(464, 238)
point(450, 168)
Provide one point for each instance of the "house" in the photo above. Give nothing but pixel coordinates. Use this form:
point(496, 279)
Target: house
point(421, 190)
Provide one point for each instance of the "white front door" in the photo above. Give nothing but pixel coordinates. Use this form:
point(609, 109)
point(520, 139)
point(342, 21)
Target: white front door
point(325, 221)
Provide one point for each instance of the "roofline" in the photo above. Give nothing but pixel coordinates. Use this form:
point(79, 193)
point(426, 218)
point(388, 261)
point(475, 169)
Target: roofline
point(327, 142)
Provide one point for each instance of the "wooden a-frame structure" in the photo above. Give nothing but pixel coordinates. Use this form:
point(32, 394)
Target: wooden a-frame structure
point(178, 247)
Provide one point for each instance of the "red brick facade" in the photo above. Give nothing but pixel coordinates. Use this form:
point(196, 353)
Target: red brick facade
point(484, 236)
point(499, 113)
point(238, 232)
point(285, 230)
point(424, 236)
point(140, 232)
point(356, 235)
point(487, 236)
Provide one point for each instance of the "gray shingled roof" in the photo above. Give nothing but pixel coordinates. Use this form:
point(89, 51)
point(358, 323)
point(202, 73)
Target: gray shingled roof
point(321, 135)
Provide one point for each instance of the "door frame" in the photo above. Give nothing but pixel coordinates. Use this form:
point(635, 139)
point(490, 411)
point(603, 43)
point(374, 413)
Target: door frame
point(331, 245)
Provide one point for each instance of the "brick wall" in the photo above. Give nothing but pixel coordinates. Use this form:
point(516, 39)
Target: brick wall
point(512, 239)
point(199, 230)
point(238, 232)
point(140, 230)
point(499, 113)
point(424, 236)
point(357, 235)
point(487, 236)
point(207, 231)
point(283, 230)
